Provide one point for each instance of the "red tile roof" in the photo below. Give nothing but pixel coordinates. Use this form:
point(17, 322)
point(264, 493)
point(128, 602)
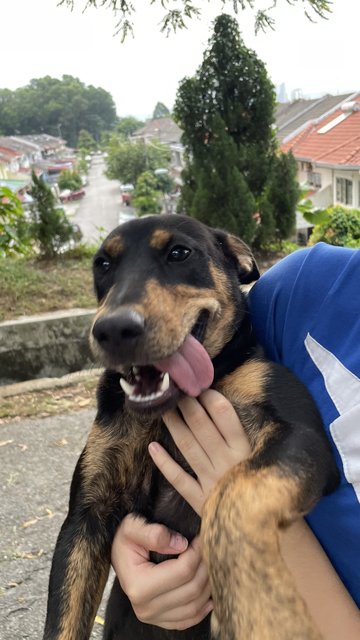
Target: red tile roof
point(339, 145)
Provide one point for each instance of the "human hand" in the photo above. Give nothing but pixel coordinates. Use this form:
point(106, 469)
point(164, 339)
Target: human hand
point(174, 594)
point(210, 437)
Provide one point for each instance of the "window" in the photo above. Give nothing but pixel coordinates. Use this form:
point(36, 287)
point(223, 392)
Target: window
point(344, 191)
point(314, 179)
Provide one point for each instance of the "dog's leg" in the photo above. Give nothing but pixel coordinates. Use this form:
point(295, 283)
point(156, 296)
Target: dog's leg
point(82, 555)
point(254, 594)
point(291, 467)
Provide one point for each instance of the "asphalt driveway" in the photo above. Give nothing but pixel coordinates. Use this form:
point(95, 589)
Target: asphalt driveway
point(37, 459)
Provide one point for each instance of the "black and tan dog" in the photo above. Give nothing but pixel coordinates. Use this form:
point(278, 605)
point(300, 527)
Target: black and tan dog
point(172, 319)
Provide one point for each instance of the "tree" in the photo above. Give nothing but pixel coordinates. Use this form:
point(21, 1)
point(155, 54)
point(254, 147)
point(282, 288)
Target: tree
point(146, 198)
point(50, 226)
point(127, 160)
point(126, 126)
point(284, 193)
point(86, 142)
point(57, 107)
point(222, 197)
point(226, 113)
point(177, 18)
point(160, 111)
point(278, 202)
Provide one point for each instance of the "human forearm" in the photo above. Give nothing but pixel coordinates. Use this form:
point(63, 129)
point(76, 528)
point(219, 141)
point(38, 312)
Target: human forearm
point(328, 601)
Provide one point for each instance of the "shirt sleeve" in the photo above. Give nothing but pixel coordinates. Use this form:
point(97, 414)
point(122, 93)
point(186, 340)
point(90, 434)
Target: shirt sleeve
point(269, 300)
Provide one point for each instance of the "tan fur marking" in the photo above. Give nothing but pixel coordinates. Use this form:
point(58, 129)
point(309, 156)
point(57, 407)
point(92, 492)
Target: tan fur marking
point(159, 239)
point(114, 246)
point(251, 585)
point(85, 580)
point(246, 384)
point(242, 252)
point(171, 312)
point(99, 473)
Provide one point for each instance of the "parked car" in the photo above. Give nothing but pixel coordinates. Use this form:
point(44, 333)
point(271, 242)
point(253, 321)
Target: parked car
point(68, 196)
point(126, 193)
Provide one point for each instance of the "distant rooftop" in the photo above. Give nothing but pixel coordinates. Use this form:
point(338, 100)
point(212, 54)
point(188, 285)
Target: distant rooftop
point(163, 129)
point(291, 117)
point(333, 141)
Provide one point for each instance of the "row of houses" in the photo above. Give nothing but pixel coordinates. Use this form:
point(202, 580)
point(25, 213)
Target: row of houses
point(323, 135)
point(19, 155)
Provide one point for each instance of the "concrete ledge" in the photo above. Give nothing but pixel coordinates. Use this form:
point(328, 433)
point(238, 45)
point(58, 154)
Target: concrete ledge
point(42, 384)
point(45, 346)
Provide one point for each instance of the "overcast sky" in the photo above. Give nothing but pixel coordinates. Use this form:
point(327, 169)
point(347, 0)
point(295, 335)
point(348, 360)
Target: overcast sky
point(39, 38)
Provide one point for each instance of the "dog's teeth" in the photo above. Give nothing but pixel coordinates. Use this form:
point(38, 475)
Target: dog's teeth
point(136, 370)
point(128, 388)
point(165, 383)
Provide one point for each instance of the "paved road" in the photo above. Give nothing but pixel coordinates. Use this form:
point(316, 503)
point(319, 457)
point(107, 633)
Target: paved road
point(37, 459)
point(98, 211)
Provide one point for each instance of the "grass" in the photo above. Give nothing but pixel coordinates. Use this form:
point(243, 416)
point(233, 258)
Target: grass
point(32, 286)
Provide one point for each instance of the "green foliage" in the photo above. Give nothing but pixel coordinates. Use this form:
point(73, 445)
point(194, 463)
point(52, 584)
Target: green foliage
point(126, 126)
point(146, 198)
point(86, 141)
point(226, 115)
point(222, 197)
point(13, 237)
point(164, 182)
point(126, 160)
point(340, 227)
point(58, 107)
point(50, 227)
point(178, 17)
point(69, 180)
point(282, 194)
point(161, 111)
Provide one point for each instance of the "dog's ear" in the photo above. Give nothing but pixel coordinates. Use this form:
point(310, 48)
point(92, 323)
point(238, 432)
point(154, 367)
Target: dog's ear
point(237, 250)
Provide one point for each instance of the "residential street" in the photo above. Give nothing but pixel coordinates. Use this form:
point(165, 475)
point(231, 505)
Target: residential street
point(37, 459)
point(98, 211)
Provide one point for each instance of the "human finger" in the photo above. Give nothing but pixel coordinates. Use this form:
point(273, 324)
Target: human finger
point(177, 605)
point(151, 536)
point(143, 580)
point(184, 435)
point(227, 422)
point(188, 487)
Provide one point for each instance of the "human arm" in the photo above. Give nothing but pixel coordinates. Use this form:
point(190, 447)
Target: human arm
point(210, 454)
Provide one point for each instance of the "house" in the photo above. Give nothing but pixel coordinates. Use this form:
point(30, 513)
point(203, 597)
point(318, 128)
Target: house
point(166, 131)
point(327, 151)
point(292, 117)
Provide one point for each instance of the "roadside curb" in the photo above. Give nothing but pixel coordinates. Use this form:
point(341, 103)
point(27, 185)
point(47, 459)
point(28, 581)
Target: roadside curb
point(41, 384)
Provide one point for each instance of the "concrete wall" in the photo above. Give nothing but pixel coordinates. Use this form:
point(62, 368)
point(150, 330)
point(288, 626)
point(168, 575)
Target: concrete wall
point(48, 345)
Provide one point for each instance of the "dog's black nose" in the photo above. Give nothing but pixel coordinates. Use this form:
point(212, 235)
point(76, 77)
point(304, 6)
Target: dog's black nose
point(118, 329)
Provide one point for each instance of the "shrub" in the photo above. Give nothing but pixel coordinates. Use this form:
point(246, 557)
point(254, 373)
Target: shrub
point(14, 239)
point(339, 226)
point(50, 227)
point(69, 180)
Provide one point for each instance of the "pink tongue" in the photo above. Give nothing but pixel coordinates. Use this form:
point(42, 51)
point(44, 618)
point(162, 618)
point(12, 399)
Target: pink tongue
point(190, 367)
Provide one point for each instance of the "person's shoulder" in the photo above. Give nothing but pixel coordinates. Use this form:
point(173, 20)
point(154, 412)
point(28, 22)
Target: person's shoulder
point(311, 266)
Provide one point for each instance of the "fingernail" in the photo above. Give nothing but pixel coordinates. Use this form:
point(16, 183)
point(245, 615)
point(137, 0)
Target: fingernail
point(154, 448)
point(178, 542)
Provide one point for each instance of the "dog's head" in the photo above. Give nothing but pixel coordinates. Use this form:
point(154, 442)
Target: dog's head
point(169, 292)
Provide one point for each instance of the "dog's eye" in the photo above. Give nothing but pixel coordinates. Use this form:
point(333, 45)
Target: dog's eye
point(178, 253)
point(102, 264)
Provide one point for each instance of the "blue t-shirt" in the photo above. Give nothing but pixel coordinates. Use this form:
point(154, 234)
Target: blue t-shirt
point(306, 314)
